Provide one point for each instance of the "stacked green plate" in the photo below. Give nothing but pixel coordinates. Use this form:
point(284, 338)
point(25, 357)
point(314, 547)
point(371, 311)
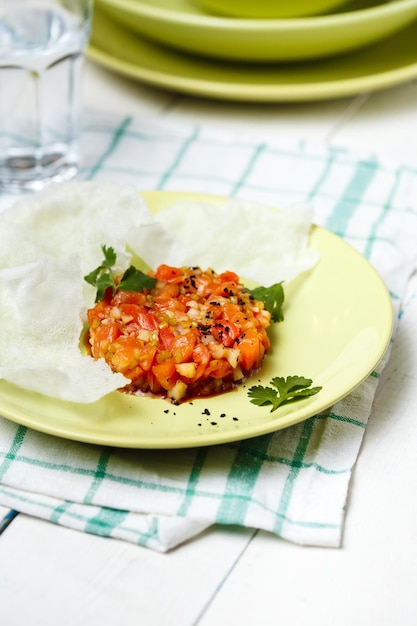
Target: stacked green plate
point(174, 44)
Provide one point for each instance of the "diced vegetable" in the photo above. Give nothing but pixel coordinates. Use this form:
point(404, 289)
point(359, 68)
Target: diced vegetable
point(192, 333)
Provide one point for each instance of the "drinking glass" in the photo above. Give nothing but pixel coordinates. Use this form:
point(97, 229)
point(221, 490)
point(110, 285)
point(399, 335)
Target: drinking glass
point(42, 46)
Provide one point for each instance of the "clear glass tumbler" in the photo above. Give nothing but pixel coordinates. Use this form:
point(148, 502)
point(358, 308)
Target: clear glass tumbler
point(42, 45)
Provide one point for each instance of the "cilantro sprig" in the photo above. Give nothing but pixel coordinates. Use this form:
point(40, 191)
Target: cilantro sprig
point(284, 390)
point(273, 299)
point(103, 277)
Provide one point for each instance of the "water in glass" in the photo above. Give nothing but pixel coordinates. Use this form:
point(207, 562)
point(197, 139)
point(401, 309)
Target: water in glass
point(42, 45)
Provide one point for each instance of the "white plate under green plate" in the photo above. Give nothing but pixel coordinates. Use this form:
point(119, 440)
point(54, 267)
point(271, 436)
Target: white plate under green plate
point(338, 324)
point(184, 26)
point(385, 64)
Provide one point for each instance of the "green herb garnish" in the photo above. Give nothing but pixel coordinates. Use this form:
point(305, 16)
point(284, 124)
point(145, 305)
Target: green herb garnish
point(285, 390)
point(273, 299)
point(103, 277)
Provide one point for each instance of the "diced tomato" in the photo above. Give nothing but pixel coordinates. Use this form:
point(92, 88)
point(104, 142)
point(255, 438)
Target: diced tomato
point(219, 368)
point(147, 320)
point(165, 373)
point(195, 333)
point(228, 277)
point(103, 338)
point(166, 337)
point(182, 347)
point(123, 353)
point(170, 290)
point(201, 356)
point(131, 297)
point(146, 356)
point(129, 310)
point(250, 349)
point(168, 274)
point(99, 312)
point(225, 332)
point(264, 339)
point(136, 374)
point(227, 290)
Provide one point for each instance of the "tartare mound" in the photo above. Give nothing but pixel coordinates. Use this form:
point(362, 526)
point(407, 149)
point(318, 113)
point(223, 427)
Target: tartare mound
point(195, 333)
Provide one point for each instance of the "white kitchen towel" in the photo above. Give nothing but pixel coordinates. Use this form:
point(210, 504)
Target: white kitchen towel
point(293, 483)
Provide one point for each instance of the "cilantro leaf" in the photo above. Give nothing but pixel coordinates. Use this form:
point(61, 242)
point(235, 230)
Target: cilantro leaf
point(264, 395)
point(109, 256)
point(285, 390)
point(109, 260)
point(135, 280)
point(103, 282)
point(273, 299)
point(103, 277)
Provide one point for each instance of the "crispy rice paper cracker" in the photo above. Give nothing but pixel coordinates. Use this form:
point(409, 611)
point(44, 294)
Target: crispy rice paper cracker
point(260, 243)
point(50, 241)
point(40, 332)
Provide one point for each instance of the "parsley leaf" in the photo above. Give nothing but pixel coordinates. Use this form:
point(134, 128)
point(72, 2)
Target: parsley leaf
point(103, 277)
point(273, 299)
point(285, 390)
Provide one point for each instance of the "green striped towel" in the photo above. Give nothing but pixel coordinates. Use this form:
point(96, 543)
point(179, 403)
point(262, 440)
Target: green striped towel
point(293, 483)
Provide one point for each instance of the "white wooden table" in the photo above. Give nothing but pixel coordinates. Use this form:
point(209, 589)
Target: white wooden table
point(53, 576)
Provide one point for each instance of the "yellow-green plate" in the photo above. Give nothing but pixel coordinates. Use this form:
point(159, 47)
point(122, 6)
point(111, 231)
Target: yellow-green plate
point(338, 324)
point(184, 26)
point(386, 64)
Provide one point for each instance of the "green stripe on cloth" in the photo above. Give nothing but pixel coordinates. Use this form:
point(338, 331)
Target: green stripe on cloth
point(257, 151)
point(99, 476)
point(342, 418)
point(105, 521)
point(179, 156)
point(327, 166)
point(57, 512)
point(116, 138)
point(344, 209)
point(10, 455)
point(385, 209)
point(151, 534)
point(257, 455)
point(293, 474)
point(195, 474)
point(237, 493)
